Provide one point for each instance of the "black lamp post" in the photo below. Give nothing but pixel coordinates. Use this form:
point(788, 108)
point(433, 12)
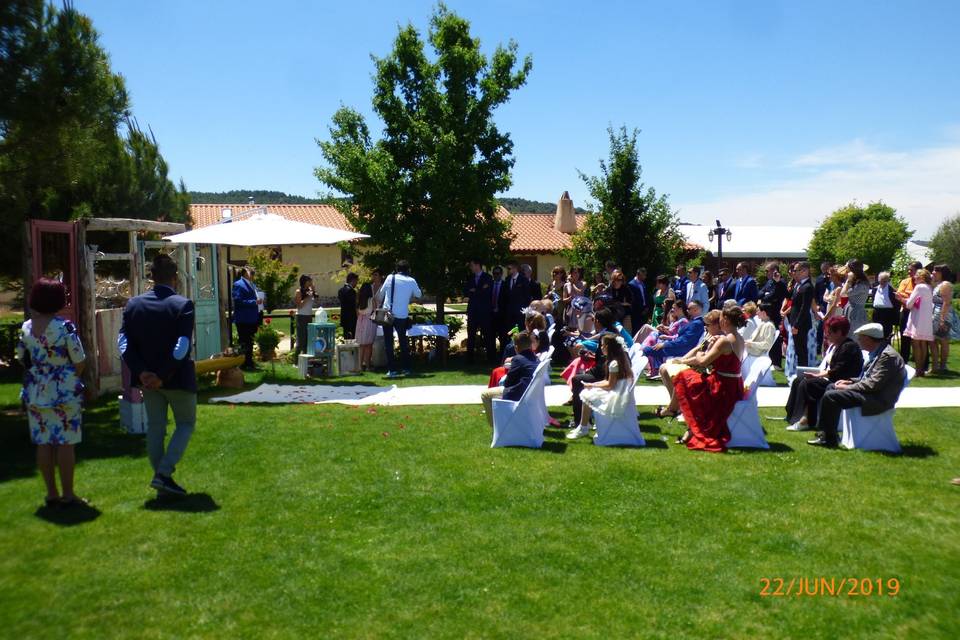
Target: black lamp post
point(719, 233)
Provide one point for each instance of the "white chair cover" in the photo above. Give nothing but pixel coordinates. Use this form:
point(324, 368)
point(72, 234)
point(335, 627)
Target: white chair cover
point(620, 431)
point(767, 379)
point(520, 423)
point(744, 422)
point(872, 433)
point(638, 361)
point(546, 356)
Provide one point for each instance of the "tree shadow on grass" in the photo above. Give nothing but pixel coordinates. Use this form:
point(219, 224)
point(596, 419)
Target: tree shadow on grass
point(190, 503)
point(103, 437)
point(68, 516)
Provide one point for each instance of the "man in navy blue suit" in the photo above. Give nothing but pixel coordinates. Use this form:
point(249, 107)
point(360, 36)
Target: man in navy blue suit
point(518, 295)
point(155, 344)
point(246, 315)
point(679, 285)
point(477, 291)
point(642, 302)
point(746, 288)
point(725, 288)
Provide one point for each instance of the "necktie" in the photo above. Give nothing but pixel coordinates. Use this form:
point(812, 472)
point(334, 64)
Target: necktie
point(496, 291)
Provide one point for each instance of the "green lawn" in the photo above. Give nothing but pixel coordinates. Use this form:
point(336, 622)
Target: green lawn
point(330, 521)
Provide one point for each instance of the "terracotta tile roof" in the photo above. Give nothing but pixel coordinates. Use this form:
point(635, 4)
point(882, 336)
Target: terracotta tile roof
point(204, 215)
point(534, 231)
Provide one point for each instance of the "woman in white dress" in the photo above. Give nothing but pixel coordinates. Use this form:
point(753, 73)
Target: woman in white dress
point(304, 300)
point(920, 322)
point(609, 397)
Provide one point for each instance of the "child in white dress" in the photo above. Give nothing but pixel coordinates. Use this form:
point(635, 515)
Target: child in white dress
point(609, 397)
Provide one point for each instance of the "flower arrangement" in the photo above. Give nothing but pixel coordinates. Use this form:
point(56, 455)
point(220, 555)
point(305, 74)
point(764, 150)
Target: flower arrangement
point(267, 339)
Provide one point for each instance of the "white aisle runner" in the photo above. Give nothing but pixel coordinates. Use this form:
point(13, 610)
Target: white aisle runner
point(556, 395)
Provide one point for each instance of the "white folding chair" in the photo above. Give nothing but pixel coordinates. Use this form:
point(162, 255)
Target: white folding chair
point(520, 423)
point(744, 422)
point(872, 433)
point(620, 431)
point(546, 356)
point(767, 379)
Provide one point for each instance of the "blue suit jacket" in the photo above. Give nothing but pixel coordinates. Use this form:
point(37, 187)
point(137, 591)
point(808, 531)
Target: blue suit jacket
point(687, 338)
point(746, 290)
point(479, 295)
point(152, 324)
point(245, 309)
point(522, 367)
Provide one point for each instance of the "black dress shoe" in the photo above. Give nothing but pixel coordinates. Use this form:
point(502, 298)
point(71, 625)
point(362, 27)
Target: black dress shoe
point(821, 442)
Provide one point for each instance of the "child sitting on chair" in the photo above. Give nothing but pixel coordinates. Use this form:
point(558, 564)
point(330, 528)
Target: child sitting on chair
point(609, 397)
point(518, 378)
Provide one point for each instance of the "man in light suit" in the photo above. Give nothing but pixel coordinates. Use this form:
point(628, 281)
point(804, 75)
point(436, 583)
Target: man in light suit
point(877, 390)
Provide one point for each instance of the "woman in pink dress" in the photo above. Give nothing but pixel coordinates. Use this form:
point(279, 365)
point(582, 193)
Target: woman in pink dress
point(366, 330)
point(920, 321)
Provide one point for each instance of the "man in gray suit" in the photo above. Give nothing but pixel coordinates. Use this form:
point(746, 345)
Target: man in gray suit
point(876, 391)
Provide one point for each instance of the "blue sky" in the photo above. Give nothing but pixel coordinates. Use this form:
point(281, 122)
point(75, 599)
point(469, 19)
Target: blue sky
point(756, 112)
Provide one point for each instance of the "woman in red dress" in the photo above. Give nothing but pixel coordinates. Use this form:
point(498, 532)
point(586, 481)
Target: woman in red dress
point(707, 391)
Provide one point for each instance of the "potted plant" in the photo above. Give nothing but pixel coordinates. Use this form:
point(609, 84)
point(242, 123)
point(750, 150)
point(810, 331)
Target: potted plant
point(267, 340)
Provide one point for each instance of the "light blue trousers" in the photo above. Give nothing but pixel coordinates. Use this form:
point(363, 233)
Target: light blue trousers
point(184, 405)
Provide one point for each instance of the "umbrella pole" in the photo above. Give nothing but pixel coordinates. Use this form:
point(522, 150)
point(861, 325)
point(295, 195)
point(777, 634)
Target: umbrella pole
point(229, 300)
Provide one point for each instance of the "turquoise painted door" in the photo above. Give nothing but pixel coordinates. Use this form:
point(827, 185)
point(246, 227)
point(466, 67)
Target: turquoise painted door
point(206, 300)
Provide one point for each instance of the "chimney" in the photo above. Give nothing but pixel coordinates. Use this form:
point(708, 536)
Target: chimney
point(564, 220)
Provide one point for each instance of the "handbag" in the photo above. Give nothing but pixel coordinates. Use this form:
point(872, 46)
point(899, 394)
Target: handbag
point(383, 316)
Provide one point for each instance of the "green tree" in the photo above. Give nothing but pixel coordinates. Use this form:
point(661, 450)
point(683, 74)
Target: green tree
point(68, 148)
point(425, 191)
point(274, 277)
point(872, 233)
point(629, 223)
point(945, 243)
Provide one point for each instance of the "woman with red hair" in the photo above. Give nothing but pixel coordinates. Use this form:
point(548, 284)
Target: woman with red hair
point(50, 351)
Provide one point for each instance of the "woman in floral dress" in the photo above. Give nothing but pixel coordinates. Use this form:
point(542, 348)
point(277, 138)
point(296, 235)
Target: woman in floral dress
point(52, 394)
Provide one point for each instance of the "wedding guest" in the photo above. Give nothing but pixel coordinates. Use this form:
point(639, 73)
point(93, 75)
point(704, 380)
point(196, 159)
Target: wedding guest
point(519, 376)
point(774, 292)
point(876, 391)
point(640, 308)
point(753, 323)
point(711, 289)
point(533, 285)
point(674, 320)
point(820, 286)
point(746, 287)
point(857, 292)
point(154, 343)
point(368, 300)
point(904, 289)
point(673, 366)
point(945, 321)
point(517, 295)
point(304, 300)
point(347, 295)
point(499, 319)
point(477, 291)
point(726, 286)
point(844, 362)
point(885, 304)
point(761, 341)
point(696, 289)
point(662, 293)
point(801, 315)
point(610, 396)
point(399, 290)
point(685, 339)
point(707, 392)
point(555, 290)
point(679, 285)
point(621, 298)
point(52, 356)
point(605, 325)
point(920, 321)
point(246, 315)
point(575, 287)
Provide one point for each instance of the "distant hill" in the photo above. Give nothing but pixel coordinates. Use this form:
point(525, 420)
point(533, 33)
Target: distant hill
point(522, 205)
point(260, 196)
point(263, 196)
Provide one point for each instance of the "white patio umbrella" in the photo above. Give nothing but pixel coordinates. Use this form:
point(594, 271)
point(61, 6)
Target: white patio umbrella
point(264, 229)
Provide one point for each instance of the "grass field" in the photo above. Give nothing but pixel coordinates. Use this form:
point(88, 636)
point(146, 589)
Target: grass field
point(331, 521)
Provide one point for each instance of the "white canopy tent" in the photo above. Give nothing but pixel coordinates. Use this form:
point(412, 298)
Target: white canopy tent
point(754, 241)
point(264, 229)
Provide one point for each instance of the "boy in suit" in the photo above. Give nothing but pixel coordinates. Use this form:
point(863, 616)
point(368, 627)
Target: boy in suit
point(519, 375)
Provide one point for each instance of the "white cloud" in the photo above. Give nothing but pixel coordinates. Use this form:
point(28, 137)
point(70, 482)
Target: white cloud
point(923, 185)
